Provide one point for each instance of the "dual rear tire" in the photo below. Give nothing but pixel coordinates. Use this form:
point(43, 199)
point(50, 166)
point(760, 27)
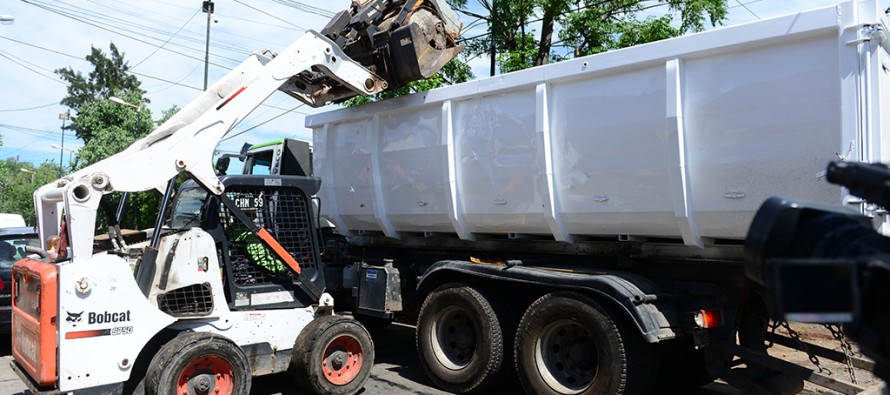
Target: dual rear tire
point(565, 343)
point(459, 339)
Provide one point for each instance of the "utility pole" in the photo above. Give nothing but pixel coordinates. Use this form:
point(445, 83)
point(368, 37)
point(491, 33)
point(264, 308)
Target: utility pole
point(493, 35)
point(208, 9)
point(64, 117)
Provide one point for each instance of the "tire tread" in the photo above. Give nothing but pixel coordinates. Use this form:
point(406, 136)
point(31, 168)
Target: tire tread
point(486, 375)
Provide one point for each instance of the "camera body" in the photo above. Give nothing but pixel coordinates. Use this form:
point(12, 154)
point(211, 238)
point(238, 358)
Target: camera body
point(825, 264)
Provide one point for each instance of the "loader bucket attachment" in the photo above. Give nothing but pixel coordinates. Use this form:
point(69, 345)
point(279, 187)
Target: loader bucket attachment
point(397, 41)
point(415, 53)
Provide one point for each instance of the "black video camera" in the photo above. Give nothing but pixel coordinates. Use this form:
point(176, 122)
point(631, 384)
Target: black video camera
point(826, 264)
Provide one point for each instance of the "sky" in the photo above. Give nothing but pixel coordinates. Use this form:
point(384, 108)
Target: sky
point(164, 43)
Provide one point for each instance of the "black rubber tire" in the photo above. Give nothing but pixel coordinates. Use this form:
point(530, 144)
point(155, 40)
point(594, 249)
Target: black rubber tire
point(138, 389)
point(176, 356)
point(456, 320)
point(308, 361)
point(607, 356)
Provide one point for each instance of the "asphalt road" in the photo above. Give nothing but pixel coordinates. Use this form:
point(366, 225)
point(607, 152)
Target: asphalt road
point(396, 372)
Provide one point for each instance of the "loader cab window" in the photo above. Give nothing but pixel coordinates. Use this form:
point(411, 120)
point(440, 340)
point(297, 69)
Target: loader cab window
point(259, 162)
point(186, 211)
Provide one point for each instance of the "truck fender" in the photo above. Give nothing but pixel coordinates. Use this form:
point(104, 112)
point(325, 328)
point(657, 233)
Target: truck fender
point(637, 297)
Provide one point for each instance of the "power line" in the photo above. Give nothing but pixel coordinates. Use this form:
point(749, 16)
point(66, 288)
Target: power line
point(165, 42)
point(133, 25)
point(102, 21)
point(177, 83)
point(30, 108)
point(746, 7)
point(22, 147)
point(167, 81)
point(268, 14)
point(100, 26)
point(26, 130)
point(84, 60)
point(43, 48)
point(10, 58)
point(297, 5)
point(270, 120)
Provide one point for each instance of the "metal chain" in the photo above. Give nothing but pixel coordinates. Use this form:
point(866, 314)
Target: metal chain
point(772, 329)
point(800, 344)
point(838, 333)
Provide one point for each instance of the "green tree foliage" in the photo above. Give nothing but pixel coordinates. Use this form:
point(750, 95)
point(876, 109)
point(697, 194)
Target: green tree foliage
point(167, 114)
point(113, 127)
point(18, 181)
point(142, 208)
point(108, 128)
point(109, 76)
point(572, 28)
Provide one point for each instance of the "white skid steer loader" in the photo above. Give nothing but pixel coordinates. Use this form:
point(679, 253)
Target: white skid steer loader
point(239, 292)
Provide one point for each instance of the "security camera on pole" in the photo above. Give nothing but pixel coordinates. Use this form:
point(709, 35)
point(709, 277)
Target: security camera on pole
point(208, 8)
point(64, 117)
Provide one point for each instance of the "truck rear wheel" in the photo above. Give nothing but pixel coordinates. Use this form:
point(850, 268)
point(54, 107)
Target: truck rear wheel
point(198, 363)
point(333, 355)
point(567, 344)
point(459, 339)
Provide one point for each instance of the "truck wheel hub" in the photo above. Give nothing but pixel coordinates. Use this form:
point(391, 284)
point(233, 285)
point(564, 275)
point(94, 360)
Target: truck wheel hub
point(566, 357)
point(454, 337)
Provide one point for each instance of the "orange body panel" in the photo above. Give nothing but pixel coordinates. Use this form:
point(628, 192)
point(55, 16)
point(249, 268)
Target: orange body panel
point(34, 312)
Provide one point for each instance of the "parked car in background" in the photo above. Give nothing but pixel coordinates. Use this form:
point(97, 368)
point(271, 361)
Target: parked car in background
point(11, 221)
point(12, 248)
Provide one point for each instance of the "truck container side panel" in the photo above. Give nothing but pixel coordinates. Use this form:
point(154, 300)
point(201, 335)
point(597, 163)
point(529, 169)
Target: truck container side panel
point(349, 150)
point(681, 138)
point(594, 121)
point(500, 163)
point(414, 170)
point(761, 122)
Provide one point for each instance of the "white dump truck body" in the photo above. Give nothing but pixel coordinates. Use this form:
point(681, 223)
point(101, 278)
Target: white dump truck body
point(682, 138)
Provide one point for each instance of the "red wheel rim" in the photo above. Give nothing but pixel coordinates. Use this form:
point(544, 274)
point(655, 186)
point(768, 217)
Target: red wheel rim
point(208, 374)
point(342, 360)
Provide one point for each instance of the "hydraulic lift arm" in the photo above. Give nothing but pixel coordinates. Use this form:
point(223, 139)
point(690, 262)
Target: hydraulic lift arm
point(375, 46)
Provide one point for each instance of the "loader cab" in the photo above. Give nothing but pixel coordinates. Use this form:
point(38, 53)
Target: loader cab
point(254, 277)
point(279, 157)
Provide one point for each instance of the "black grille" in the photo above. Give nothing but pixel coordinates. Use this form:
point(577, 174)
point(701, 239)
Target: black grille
point(194, 300)
point(284, 214)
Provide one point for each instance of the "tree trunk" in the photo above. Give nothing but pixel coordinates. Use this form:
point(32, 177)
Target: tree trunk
point(547, 24)
point(547, 27)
